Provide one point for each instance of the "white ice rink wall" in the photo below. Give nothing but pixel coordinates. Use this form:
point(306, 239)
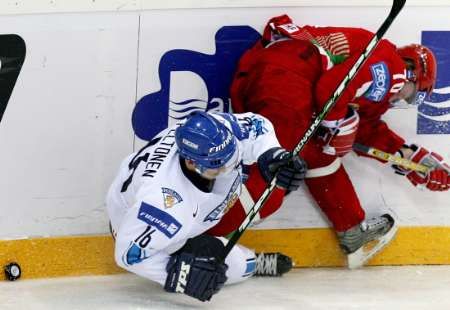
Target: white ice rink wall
point(67, 123)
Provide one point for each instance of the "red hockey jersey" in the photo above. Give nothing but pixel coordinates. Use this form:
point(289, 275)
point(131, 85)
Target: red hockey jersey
point(382, 75)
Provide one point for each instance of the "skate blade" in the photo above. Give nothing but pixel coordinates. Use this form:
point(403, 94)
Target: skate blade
point(361, 256)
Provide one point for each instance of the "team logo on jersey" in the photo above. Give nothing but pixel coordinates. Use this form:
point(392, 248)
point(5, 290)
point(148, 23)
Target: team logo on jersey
point(226, 204)
point(380, 82)
point(257, 126)
point(162, 221)
point(171, 197)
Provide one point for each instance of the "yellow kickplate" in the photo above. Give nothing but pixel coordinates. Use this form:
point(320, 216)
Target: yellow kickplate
point(62, 256)
point(318, 247)
point(93, 255)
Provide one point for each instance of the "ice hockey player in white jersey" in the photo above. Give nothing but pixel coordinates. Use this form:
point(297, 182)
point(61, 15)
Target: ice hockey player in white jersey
point(168, 194)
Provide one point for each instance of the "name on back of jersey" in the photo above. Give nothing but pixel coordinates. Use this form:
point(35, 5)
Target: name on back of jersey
point(159, 154)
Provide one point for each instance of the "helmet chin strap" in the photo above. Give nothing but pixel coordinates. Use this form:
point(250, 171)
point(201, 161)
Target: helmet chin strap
point(232, 164)
point(199, 170)
point(192, 165)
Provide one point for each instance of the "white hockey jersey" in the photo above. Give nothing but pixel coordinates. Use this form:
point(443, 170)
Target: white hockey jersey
point(154, 208)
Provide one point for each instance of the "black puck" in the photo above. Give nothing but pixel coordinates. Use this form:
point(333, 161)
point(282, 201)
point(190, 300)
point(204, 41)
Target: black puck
point(12, 271)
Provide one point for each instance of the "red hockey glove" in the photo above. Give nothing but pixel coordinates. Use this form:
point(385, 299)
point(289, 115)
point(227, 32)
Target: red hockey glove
point(438, 176)
point(340, 135)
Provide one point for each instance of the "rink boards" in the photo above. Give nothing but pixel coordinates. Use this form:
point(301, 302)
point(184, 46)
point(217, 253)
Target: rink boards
point(315, 247)
point(66, 122)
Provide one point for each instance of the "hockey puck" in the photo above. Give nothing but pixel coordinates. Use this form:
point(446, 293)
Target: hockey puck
point(12, 271)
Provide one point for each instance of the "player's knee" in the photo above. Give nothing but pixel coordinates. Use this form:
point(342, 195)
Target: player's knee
point(204, 245)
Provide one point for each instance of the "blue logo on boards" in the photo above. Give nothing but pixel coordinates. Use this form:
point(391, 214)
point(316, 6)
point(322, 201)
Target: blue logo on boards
point(209, 75)
point(159, 219)
point(434, 112)
point(381, 82)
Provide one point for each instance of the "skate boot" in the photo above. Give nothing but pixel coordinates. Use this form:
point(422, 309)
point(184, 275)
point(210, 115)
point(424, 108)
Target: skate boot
point(272, 264)
point(366, 239)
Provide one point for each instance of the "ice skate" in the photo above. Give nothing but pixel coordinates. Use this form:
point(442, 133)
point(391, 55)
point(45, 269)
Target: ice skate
point(272, 264)
point(363, 241)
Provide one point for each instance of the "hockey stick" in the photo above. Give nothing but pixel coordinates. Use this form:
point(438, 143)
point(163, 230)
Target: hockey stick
point(405, 163)
point(397, 6)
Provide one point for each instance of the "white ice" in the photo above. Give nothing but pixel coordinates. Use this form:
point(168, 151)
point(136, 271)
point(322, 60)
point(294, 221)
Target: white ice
point(409, 288)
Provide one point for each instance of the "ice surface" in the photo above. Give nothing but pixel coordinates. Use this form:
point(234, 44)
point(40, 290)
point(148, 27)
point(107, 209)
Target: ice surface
point(411, 288)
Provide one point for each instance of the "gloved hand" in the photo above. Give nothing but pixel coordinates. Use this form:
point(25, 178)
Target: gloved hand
point(198, 277)
point(291, 170)
point(438, 176)
point(339, 135)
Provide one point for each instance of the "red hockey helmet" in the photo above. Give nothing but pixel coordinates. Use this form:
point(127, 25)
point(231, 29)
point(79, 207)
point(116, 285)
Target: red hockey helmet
point(421, 62)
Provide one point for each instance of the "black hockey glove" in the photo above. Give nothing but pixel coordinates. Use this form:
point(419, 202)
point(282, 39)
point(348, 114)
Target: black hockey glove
point(194, 269)
point(292, 170)
point(198, 277)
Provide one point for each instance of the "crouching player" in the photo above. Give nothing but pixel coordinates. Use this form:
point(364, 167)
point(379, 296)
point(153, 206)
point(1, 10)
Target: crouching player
point(168, 194)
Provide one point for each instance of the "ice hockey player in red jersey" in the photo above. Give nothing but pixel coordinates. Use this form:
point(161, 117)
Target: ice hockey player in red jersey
point(287, 77)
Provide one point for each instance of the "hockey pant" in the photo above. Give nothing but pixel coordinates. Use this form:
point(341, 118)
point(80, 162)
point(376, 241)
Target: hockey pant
point(331, 187)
